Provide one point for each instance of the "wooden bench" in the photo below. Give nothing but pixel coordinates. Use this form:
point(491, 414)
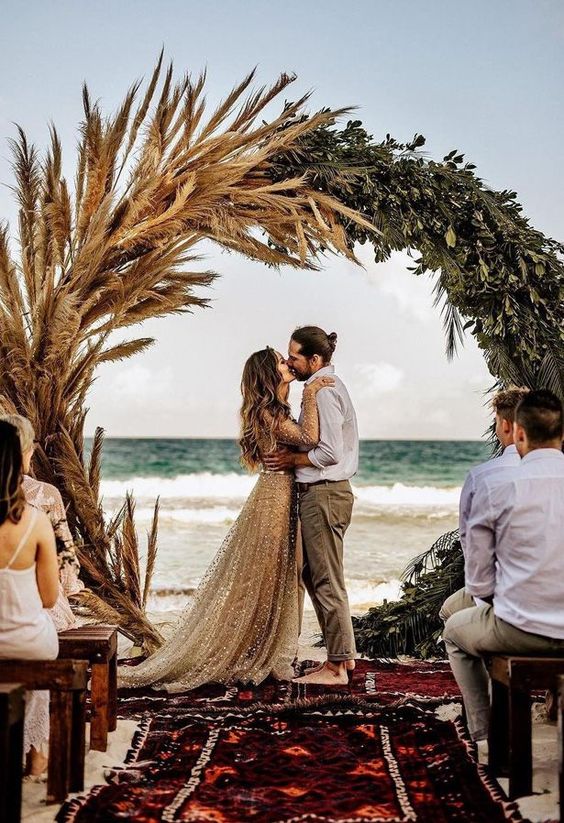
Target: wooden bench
point(66, 680)
point(97, 645)
point(560, 711)
point(510, 733)
point(12, 709)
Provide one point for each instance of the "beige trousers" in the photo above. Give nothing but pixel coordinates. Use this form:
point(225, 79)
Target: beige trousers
point(325, 514)
point(457, 601)
point(471, 634)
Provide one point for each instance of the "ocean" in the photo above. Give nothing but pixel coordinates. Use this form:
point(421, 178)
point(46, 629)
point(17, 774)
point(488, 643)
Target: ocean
point(406, 496)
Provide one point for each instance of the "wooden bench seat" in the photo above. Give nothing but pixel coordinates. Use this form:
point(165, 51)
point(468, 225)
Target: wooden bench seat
point(510, 733)
point(12, 709)
point(66, 680)
point(97, 645)
point(560, 718)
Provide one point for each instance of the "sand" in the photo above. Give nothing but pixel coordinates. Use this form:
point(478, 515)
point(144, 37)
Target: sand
point(34, 808)
point(538, 808)
point(543, 804)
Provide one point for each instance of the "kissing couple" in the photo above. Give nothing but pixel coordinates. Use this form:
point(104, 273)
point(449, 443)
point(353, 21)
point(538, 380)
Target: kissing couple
point(244, 621)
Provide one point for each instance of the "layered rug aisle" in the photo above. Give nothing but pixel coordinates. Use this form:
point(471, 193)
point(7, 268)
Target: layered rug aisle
point(277, 753)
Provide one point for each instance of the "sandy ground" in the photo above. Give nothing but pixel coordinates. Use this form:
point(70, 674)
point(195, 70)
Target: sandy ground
point(539, 807)
point(543, 804)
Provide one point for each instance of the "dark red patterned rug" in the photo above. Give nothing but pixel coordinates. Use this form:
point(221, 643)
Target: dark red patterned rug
point(347, 761)
point(383, 682)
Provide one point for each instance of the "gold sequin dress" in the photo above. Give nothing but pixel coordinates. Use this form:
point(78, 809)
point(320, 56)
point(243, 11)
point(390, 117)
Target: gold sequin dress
point(242, 624)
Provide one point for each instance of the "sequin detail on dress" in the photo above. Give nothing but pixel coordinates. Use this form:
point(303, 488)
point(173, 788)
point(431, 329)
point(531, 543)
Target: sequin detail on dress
point(243, 622)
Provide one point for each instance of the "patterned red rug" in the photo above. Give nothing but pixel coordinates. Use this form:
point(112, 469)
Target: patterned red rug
point(346, 761)
point(383, 682)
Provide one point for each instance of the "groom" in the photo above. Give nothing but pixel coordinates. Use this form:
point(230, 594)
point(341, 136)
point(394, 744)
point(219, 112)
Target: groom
point(325, 500)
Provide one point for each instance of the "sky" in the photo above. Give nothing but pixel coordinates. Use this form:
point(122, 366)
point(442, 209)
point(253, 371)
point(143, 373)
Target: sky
point(482, 77)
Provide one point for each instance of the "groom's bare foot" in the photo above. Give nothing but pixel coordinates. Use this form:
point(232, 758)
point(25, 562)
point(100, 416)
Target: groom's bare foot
point(349, 665)
point(329, 674)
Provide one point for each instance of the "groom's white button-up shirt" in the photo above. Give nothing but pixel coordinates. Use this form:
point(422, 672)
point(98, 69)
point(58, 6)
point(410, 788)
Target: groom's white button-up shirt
point(515, 543)
point(336, 455)
point(510, 457)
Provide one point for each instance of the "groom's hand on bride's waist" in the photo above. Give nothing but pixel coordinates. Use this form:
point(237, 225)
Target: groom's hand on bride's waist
point(279, 460)
point(283, 459)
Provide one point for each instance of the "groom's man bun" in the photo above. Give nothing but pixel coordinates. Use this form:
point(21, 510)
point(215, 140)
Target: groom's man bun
point(314, 340)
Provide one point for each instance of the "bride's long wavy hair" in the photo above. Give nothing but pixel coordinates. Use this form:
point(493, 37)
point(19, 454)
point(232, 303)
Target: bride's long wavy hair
point(262, 409)
point(12, 500)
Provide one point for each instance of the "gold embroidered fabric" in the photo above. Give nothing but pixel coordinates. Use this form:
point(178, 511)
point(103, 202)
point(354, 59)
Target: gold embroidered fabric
point(242, 625)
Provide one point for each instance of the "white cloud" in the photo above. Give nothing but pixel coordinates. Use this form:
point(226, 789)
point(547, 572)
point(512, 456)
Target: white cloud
point(372, 379)
point(137, 382)
point(393, 279)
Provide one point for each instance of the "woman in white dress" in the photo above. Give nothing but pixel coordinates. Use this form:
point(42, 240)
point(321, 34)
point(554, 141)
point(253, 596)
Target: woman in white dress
point(47, 498)
point(29, 585)
point(242, 624)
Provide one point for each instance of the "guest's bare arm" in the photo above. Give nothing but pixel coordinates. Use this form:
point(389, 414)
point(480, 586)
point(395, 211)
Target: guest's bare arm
point(47, 568)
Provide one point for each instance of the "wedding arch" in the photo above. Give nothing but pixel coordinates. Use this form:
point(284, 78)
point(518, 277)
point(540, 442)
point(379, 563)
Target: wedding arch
point(162, 174)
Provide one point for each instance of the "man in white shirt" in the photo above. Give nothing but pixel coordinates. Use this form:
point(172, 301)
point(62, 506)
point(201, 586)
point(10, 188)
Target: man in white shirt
point(326, 501)
point(504, 404)
point(514, 559)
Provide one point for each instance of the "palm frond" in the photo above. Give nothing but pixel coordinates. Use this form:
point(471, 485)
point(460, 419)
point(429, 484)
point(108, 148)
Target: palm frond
point(452, 322)
point(152, 547)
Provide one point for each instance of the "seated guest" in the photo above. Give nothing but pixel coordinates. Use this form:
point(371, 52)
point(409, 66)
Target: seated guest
point(47, 498)
point(504, 404)
point(514, 559)
point(29, 585)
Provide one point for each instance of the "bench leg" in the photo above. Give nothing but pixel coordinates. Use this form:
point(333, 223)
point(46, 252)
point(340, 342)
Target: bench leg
point(112, 697)
point(78, 743)
point(99, 722)
point(498, 734)
point(520, 744)
point(15, 771)
point(561, 743)
point(60, 746)
point(11, 757)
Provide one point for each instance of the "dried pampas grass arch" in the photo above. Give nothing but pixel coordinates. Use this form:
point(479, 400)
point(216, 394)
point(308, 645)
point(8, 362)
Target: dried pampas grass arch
point(152, 181)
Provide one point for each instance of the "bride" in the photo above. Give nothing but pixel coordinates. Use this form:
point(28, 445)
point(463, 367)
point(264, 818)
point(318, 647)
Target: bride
point(243, 622)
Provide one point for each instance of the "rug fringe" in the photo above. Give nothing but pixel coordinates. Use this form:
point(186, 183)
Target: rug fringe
point(70, 808)
point(492, 785)
point(137, 740)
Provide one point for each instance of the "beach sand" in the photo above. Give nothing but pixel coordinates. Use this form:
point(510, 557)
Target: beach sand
point(538, 808)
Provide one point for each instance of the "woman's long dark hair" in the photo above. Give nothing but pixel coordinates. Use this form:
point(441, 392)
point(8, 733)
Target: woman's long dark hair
point(12, 500)
point(262, 409)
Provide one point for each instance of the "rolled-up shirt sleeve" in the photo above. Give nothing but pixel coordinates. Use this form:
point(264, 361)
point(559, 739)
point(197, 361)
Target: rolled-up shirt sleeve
point(479, 561)
point(329, 450)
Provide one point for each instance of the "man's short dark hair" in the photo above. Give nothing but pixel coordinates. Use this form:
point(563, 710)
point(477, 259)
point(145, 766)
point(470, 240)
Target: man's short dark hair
point(540, 414)
point(313, 340)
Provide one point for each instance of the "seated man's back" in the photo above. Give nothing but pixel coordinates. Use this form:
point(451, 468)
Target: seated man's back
point(514, 559)
point(525, 508)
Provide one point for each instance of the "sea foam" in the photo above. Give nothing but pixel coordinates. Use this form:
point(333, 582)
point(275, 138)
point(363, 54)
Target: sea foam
point(234, 487)
point(202, 486)
point(361, 593)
